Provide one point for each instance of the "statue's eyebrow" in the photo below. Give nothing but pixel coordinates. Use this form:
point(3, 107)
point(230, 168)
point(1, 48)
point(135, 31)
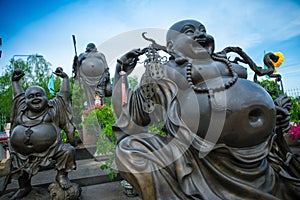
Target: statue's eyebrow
point(202, 27)
point(29, 95)
point(187, 27)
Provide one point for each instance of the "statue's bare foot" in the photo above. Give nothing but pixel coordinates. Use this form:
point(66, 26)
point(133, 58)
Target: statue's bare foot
point(63, 180)
point(22, 192)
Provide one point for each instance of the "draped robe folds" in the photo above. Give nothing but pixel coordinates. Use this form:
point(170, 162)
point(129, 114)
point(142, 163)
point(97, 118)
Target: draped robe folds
point(182, 165)
point(59, 112)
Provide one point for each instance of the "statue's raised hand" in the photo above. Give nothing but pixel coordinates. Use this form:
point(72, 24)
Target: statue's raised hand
point(128, 61)
point(59, 72)
point(17, 74)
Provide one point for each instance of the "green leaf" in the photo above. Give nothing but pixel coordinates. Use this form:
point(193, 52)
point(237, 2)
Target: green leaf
point(103, 167)
point(112, 175)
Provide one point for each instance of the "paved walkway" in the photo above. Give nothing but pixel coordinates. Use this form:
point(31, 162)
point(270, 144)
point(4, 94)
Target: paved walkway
point(105, 191)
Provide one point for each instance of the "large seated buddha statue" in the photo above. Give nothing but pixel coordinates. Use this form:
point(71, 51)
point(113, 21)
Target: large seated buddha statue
point(223, 133)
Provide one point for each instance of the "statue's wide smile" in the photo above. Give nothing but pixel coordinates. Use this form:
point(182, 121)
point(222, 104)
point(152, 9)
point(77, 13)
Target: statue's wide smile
point(202, 41)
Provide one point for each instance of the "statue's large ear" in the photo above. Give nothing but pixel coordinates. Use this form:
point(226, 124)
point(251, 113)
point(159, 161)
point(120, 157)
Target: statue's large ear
point(170, 46)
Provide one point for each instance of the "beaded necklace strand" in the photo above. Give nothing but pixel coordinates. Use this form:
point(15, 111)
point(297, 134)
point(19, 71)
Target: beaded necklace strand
point(201, 89)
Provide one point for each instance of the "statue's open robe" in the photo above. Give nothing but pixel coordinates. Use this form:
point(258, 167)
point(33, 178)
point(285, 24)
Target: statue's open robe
point(35, 143)
point(184, 165)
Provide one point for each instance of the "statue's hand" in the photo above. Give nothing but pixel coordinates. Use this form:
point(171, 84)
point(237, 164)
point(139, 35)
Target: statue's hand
point(75, 58)
point(128, 61)
point(75, 61)
point(59, 72)
point(17, 75)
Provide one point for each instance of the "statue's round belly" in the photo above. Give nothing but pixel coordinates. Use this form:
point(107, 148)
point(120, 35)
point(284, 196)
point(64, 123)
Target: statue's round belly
point(92, 67)
point(41, 138)
point(244, 115)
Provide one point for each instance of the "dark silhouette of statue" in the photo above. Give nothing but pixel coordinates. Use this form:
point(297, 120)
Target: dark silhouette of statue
point(36, 133)
point(91, 70)
point(223, 133)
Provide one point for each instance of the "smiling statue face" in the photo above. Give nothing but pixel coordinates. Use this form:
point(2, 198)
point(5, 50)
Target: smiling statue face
point(36, 99)
point(188, 38)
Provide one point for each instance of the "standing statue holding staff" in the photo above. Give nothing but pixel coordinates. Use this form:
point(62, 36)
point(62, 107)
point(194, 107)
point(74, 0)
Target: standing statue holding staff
point(91, 69)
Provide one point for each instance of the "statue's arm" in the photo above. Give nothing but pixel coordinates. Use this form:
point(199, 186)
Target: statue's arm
point(126, 63)
point(16, 87)
point(64, 92)
point(81, 57)
point(124, 67)
point(105, 77)
point(65, 86)
point(103, 58)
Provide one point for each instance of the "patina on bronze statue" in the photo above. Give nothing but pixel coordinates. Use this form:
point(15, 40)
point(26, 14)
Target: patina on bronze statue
point(91, 70)
point(220, 141)
point(35, 137)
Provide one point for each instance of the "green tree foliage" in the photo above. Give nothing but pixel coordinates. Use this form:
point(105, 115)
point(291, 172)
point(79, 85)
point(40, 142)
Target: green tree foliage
point(274, 90)
point(78, 98)
point(295, 109)
point(6, 99)
point(36, 68)
point(37, 72)
point(104, 117)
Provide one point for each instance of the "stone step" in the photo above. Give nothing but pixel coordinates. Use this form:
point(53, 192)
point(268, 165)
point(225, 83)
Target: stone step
point(88, 173)
point(85, 151)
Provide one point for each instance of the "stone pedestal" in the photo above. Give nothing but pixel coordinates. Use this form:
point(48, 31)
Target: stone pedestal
point(57, 193)
point(90, 132)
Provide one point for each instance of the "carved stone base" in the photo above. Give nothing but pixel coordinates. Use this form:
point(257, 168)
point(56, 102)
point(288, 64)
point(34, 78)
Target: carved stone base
point(57, 193)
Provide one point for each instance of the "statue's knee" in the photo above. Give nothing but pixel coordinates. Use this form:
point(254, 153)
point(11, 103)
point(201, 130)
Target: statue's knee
point(69, 150)
point(124, 143)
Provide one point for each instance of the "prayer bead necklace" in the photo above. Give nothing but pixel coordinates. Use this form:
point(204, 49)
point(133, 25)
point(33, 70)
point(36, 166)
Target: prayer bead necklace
point(201, 89)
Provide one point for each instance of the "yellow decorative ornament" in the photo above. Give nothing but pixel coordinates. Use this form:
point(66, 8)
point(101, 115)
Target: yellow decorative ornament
point(280, 59)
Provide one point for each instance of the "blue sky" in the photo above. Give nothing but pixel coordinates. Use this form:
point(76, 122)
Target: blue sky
point(46, 27)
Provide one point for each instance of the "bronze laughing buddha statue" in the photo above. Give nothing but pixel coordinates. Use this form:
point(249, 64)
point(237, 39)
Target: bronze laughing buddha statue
point(220, 140)
point(35, 133)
